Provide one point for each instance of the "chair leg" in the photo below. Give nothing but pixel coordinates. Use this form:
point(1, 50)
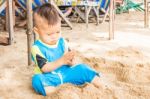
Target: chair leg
point(87, 12)
point(20, 5)
point(105, 16)
point(86, 16)
point(62, 15)
point(80, 14)
point(3, 6)
point(96, 10)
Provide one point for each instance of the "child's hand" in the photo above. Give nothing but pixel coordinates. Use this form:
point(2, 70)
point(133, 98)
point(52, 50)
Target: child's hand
point(68, 58)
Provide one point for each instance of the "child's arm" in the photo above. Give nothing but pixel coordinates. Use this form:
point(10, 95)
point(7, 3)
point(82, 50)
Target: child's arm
point(65, 60)
point(46, 66)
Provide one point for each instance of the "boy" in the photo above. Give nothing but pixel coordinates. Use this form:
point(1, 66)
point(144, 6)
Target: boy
point(52, 58)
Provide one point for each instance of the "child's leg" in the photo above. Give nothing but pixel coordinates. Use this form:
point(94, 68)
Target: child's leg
point(97, 81)
point(45, 83)
point(79, 75)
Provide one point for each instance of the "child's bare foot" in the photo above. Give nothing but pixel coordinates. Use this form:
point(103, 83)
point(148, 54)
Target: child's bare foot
point(49, 90)
point(99, 83)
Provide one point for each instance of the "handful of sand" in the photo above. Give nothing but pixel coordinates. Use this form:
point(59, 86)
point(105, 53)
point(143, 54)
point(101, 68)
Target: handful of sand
point(77, 59)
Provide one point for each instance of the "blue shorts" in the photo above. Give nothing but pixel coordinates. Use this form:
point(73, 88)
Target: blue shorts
point(77, 75)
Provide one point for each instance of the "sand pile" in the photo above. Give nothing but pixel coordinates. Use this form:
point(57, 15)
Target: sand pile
point(124, 80)
point(87, 91)
point(125, 71)
point(126, 52)
point(131, 77)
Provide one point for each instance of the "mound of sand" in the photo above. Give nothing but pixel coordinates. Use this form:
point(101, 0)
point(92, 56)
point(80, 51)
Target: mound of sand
point(133, 78)
point(126, 52)
point(124, 80)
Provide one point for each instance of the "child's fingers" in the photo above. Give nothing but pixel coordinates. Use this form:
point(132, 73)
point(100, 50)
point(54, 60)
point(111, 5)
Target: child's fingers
point(73, 52)
point(70, 54)
point(69, 62)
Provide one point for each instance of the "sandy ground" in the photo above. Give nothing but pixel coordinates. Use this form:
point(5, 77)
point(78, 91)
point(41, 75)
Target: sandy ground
point(123, 62)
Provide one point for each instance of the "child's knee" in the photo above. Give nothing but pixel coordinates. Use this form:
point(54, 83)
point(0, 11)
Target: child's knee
point(83, 67)
point(87, 72)
point(37, 84)
point(36, 79)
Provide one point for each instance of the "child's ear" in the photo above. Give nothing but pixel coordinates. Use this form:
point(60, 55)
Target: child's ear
point(35, 30)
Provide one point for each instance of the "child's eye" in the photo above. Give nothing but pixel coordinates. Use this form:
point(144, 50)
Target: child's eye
point(52, 33)
point(48, 34)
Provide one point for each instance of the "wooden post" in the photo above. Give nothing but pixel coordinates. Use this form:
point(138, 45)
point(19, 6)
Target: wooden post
point(6, 17)
point(29, 29)
point(14, 13)
point(10, 21)
point(146, 15)
point(111, 20)
point(114, 14)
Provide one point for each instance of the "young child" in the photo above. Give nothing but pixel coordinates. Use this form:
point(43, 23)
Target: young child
point(52, 58)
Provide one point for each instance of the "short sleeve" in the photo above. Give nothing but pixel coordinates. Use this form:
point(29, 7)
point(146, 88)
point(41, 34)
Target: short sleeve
point(66, 45)
point(38, 57)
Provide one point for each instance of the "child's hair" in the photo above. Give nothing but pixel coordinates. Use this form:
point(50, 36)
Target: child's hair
point(48, 12)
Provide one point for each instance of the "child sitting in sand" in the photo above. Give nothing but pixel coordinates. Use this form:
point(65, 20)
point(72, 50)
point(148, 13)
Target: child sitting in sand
point(53, 60)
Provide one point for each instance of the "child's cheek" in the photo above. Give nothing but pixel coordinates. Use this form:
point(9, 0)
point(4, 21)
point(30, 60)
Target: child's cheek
point(55, 37)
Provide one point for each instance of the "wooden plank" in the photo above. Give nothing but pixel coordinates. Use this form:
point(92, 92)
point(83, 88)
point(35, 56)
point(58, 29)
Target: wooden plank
point(3, 6)
point(29, 29)
point(11, 24)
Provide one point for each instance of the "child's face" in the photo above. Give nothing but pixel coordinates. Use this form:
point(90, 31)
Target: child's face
point(49, 34)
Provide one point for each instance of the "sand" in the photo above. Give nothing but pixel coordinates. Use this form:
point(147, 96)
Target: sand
point(124, 62)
